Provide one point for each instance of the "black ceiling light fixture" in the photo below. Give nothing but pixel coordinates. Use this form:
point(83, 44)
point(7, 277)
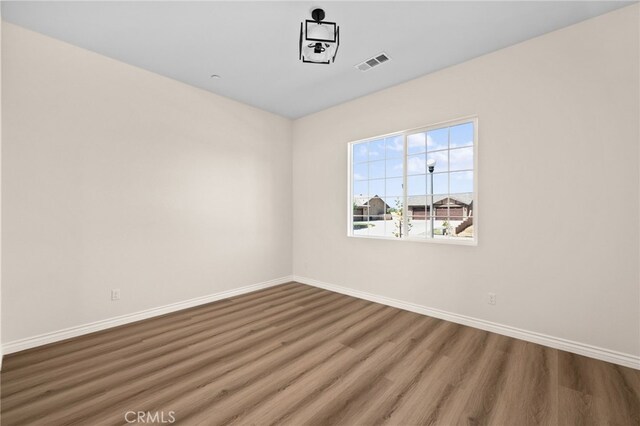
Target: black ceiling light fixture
point(319, 40)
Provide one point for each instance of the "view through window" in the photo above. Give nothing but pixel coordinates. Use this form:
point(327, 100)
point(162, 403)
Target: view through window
point(417, 184)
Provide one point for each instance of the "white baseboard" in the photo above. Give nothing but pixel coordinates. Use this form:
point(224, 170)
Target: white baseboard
point(56, 336)
point(603, 354)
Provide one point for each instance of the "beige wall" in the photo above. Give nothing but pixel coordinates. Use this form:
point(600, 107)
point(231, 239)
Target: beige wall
point(558, 122)
point(1, 351)
point(114, 177)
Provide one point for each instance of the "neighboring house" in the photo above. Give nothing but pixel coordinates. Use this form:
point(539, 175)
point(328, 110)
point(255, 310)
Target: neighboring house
point(456, 207)
point(372, 209)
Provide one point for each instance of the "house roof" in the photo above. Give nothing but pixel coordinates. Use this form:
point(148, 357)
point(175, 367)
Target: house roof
point(421, 200)
point(360, 202)
point(363, 202)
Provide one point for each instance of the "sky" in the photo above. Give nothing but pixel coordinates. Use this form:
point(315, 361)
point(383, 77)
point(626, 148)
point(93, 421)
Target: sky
point(377, 164)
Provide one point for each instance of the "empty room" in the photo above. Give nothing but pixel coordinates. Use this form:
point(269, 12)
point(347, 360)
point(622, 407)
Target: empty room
point(320, 213)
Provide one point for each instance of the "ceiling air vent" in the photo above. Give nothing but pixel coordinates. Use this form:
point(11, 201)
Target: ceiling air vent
point(373, 62)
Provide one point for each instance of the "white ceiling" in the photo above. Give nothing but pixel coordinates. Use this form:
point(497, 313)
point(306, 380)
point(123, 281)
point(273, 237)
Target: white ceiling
point(254, 45)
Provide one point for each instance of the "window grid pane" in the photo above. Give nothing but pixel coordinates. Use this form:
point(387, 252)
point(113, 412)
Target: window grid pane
point(394, 180)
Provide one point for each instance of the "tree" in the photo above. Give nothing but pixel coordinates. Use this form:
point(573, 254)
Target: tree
point(447, 229)
point(399, 219)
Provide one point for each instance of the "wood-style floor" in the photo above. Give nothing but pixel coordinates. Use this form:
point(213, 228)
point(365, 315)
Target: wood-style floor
point(294, 354)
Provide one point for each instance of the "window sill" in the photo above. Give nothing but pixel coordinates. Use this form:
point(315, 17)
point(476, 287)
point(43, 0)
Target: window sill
point(444, 240)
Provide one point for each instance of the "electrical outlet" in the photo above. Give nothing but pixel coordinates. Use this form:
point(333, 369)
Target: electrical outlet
point(115, 294)
point(492, 299)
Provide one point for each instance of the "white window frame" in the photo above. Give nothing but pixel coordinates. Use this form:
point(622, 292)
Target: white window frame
point(404, 133)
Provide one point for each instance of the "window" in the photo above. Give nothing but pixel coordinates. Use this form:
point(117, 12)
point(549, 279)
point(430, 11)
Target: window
point(395, 194)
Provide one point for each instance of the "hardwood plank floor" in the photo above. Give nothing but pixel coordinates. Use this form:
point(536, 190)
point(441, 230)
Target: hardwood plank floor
point(294, 355)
